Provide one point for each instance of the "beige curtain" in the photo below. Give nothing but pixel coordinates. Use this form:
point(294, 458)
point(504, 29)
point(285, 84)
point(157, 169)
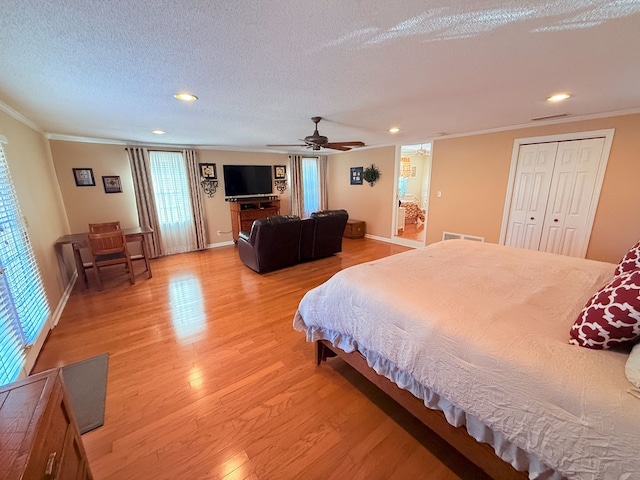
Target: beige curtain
point(147, 214)
point(322, 176)
point(197, 200)
point(297, 200)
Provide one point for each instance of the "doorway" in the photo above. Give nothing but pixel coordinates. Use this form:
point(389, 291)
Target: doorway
point(411, 195)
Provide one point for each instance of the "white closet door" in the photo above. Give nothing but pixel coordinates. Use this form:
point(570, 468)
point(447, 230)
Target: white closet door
point(572, 190)
point(533, 178)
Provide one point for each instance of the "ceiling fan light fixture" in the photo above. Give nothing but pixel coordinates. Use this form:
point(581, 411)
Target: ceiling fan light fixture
point(421, 151)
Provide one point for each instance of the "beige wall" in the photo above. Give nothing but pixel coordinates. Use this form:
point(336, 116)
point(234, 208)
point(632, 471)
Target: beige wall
point(34, 178)
point(371, 204)
point(217, 210)
point(472, 174)
point(86, 205)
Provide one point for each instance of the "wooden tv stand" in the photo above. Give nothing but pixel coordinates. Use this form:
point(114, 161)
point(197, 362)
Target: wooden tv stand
point(244, 211)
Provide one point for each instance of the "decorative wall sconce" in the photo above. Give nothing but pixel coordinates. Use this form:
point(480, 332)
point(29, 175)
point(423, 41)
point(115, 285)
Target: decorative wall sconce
point(280, 176)
point(281, 185)
point(208, 178)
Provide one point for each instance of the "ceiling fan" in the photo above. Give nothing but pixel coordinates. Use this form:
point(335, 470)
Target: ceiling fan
point(317, 141)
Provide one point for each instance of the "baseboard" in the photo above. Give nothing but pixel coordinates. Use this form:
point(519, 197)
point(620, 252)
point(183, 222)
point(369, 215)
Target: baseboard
point(34, 350)
point(389, 240)
point(57, 313)
point(221, 244)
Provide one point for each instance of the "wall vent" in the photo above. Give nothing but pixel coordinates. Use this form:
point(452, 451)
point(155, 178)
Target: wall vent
point(550, 117)
point(460, 236)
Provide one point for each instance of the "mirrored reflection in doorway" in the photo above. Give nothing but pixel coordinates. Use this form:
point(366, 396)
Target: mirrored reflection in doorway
point(414, 173)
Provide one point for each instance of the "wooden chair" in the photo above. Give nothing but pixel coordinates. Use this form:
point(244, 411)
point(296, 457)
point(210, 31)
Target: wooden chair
point(109, 248)
point(104, 227)
point(100, 228)
point(111, 226)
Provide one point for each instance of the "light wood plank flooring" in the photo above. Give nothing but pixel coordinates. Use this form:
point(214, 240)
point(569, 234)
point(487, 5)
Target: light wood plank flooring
point(413, 231)
point(208, 379)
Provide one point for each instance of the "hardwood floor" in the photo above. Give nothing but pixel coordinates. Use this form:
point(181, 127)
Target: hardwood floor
point(413, 231)
point(208, 379)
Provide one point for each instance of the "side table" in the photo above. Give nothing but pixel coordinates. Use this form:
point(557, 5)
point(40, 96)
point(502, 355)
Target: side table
point(354, 229)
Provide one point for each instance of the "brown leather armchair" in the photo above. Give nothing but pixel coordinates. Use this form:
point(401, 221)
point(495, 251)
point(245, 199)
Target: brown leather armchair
point(321, 234)
point(271, 244)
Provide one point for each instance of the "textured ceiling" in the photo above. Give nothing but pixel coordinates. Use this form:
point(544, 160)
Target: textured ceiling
point(261, 69)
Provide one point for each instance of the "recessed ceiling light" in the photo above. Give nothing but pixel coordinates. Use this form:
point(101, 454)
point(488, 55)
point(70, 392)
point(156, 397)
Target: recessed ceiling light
point(394, 130)
point(186, 97)
point(558, 97)
point(158, 132)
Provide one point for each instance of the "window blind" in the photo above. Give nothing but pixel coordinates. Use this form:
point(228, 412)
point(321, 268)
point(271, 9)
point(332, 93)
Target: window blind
point(23, 304)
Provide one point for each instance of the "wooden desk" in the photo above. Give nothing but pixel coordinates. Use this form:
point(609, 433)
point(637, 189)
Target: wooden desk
point(79, 241)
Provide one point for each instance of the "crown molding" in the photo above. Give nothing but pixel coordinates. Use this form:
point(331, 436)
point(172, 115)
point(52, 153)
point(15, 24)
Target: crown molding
point(74, 138)
point(579, 118)
point(531, 124)
point(21, 118)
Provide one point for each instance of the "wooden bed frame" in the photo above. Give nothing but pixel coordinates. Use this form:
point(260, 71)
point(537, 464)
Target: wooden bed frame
point(480, 454)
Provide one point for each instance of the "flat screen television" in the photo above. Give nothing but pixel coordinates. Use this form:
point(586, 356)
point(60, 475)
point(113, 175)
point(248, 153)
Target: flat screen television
point(247, 180)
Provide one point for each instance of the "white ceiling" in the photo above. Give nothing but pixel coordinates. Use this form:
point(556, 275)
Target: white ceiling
point(261, 68)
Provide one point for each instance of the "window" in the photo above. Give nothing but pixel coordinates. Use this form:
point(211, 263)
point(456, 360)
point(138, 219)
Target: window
point(23, 304)
point(173, 201)
point(310, 185)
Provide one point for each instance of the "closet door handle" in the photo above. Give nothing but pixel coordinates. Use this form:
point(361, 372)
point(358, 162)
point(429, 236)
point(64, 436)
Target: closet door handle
point(532, 218)
point(555, 219)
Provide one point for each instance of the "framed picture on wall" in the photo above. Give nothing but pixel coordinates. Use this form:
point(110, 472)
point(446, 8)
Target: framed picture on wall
point(356, 175)
point(279, 172)
point(84, 177)
point(112, 184)
point(208, 171)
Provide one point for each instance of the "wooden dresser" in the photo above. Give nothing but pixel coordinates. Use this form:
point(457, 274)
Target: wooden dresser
point(39, 437)
point(245, 211)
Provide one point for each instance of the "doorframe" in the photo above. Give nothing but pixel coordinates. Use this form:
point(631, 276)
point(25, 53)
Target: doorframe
point(394, 232)
point(602, 167)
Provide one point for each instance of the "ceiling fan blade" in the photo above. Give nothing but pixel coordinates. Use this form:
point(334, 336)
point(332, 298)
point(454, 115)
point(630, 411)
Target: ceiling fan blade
point(336, 146)
point(349, 144)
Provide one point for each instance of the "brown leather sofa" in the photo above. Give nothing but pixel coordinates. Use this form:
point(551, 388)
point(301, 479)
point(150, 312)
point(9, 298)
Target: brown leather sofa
point(321, 234)
point(284, 240)
point(271, 244)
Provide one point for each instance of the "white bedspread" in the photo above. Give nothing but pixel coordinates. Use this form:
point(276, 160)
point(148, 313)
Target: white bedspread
point(481, 331)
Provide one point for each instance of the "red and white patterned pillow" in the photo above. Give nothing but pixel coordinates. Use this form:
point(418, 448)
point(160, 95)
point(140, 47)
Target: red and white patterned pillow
point(611, 317)
point(630, 262)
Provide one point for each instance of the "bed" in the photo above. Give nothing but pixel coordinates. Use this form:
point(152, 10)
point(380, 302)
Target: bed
point(480, 333)
point(413, 213)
